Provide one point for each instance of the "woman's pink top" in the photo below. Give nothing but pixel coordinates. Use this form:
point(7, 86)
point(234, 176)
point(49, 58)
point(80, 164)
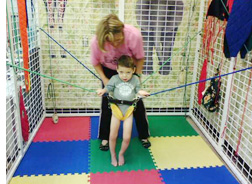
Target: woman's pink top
point(132, 46)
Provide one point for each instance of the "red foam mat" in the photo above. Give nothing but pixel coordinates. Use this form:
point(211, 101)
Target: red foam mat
point(132, 177)
point(67, 129)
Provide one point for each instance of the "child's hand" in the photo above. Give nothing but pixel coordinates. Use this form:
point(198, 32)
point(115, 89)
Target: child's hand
point(143, 93)
point(100, 92)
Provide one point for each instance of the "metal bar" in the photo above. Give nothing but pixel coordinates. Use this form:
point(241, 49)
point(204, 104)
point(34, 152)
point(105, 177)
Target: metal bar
point(197, 49)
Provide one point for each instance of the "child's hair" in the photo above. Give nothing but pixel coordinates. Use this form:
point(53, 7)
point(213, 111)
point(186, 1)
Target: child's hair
point(126, 61)
point(106, 29)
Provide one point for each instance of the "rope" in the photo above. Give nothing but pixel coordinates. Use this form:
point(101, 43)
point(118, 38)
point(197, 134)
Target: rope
point(243, 114)
point(186, 54)
point(50, 88)
point(69, 53)
point(229, 3)
point(185, 45)
point(229, 100)
point(50, 92)
point(48, 77)
point(189, 84)
point(15, 33)
point(152, 94)
point(9, 37)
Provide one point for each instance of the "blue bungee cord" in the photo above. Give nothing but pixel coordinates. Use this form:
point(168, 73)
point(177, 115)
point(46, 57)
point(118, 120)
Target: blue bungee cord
point(163, 91)
point(70, 53)
point(192, 83)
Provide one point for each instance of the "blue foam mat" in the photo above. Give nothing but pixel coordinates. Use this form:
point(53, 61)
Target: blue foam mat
point(212, 175)
point(55, 158)
point(95, 126)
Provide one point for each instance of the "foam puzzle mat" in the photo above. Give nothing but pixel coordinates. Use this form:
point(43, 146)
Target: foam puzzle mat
point(68, 152)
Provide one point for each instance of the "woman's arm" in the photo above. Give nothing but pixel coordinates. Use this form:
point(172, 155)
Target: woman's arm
point(139, 66)
point(138, 90)
point(100, 72)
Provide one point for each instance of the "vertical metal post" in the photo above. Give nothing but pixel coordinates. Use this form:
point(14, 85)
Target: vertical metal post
point(226, 101)
point(20, 138)
point(16, 92)
point(40, 55)
point(197, 51)
point(121, 10)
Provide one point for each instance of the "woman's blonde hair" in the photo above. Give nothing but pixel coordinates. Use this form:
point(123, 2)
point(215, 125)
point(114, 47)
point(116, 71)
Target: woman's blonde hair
point(106, 29)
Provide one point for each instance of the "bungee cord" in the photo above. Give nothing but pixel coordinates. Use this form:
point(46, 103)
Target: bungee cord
point(169, 59)
point(69, 53)
point(50, 89)
point(151, 94)
point(48, 77)
point(185, 46)
point(197, 82)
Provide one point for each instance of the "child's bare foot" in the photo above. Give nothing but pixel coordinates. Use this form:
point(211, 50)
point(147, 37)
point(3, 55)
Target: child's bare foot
point(121, 159)
point(113, 160)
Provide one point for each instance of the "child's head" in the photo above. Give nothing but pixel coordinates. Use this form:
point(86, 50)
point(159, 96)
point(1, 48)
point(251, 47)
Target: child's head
point(125, 68)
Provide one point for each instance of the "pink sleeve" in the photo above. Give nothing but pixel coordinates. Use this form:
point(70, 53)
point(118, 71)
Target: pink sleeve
point(95, 52)
point(136, 45)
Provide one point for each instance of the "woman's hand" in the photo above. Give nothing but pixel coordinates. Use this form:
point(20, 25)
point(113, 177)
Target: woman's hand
point(143, 93)
point(100, 92)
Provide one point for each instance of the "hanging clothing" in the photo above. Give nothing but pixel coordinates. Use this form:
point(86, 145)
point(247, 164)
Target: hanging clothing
point(217, 9)
point(202, 85)
point(248, 45)
point(24, 40)
point(23, 117)
point(217, 14)
point(239, 29)
point(211, 97)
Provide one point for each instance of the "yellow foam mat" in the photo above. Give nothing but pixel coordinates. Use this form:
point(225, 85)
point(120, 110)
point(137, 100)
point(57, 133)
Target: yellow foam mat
point(182, 152)
point(52, 179)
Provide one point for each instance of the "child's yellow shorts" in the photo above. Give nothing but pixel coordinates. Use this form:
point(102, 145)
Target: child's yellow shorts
point(116, 111)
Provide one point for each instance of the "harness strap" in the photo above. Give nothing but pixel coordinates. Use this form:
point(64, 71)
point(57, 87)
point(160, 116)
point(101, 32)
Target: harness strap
point(125, 102)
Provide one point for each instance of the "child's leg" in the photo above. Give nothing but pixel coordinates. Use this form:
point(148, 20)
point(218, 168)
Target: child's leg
point(114, 127)
point(127, 129)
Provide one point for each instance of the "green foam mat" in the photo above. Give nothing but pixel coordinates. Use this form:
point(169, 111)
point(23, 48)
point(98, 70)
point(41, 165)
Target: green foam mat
point(170, 126)
point(136, 158)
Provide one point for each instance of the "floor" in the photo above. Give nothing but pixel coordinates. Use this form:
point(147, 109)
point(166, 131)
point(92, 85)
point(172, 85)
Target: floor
point(68, 153)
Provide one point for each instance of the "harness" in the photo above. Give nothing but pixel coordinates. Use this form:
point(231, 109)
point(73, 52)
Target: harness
point(211, 95)
point(117, 111)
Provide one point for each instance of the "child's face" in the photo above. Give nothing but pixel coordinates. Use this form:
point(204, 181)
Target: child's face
point(125, 73)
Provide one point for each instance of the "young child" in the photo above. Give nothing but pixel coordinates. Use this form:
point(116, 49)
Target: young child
point(124, 87)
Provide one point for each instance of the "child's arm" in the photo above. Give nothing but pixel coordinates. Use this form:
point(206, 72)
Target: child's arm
point(108, 88)
point(100, 92)
point(143, 93)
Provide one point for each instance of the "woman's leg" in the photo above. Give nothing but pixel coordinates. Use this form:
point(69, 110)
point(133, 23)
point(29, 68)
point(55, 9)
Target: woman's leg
point(114, 127)
point(106, 113)
point(141, 120)
point(127, 129)
point(105, 119)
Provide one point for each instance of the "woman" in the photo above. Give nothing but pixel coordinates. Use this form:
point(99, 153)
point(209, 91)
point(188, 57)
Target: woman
point(114, 39)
